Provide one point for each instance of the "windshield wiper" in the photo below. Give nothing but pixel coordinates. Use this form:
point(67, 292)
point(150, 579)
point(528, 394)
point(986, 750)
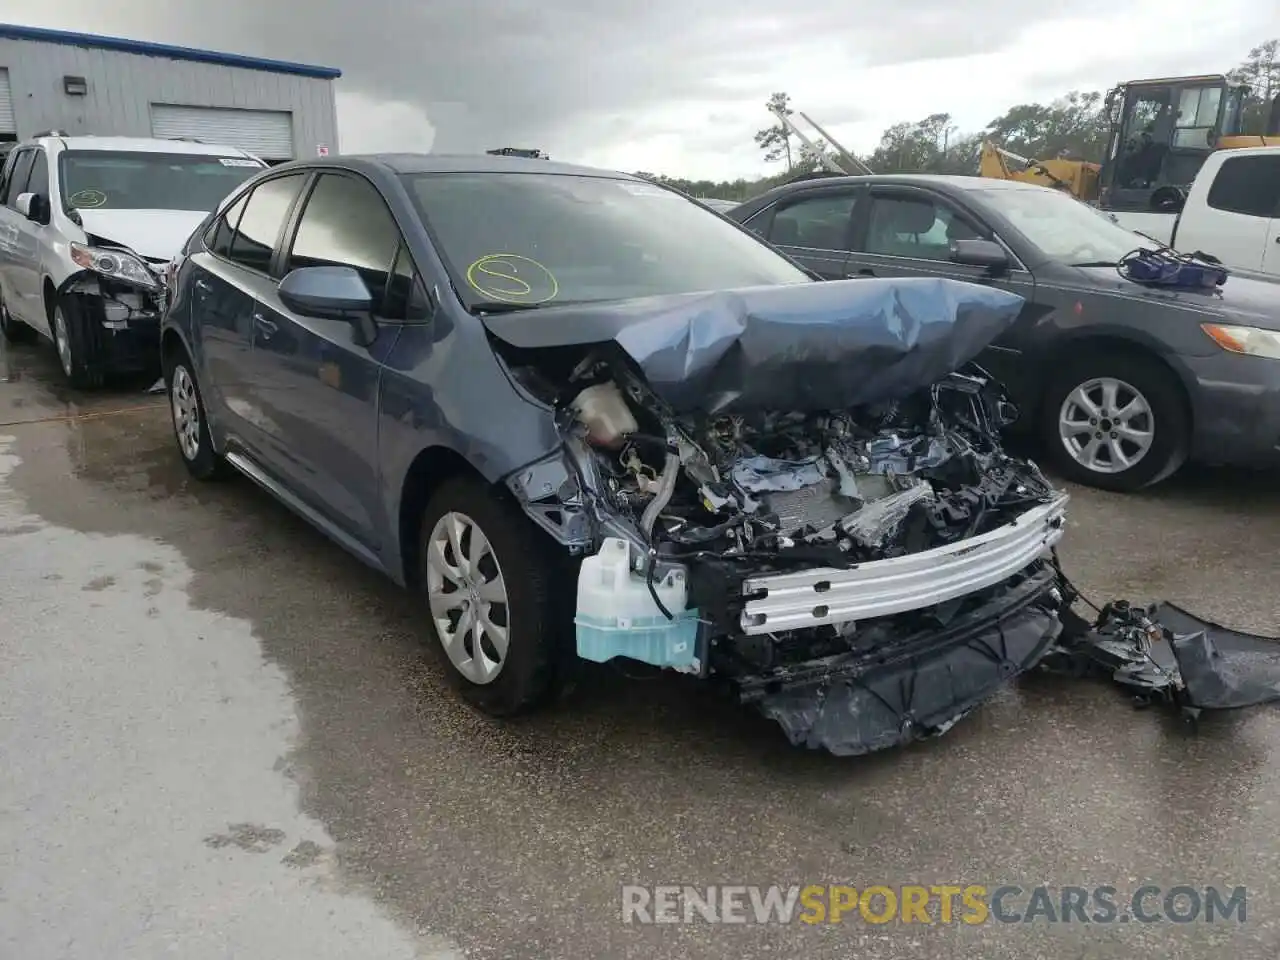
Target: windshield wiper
point(1094, 263)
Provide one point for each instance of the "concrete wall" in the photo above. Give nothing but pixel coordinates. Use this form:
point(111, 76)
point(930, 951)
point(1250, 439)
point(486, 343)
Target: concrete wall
point(122, 87)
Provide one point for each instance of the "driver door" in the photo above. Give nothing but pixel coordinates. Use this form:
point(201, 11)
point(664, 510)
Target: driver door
point(907, 232)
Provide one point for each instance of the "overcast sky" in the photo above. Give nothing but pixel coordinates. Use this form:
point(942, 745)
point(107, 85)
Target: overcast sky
point(678, 86)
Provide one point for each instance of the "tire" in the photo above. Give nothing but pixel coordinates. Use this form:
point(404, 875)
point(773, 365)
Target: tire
point(13, 330)
point(76, 356)
point(190, 424)
point(1134, 377)
point(529, 671)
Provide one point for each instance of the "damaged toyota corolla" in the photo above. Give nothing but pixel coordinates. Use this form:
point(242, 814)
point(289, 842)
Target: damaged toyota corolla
point(585, 416)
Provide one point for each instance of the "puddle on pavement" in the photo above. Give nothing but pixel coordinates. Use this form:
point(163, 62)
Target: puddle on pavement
point(157, 725)
point(437, 810)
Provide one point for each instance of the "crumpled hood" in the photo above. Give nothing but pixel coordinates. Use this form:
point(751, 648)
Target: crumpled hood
point(158, 234)
point(1244, 298)
point(804, 347)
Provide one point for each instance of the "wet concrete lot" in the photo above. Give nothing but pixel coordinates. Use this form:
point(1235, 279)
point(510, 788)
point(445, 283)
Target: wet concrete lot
point(220, 736)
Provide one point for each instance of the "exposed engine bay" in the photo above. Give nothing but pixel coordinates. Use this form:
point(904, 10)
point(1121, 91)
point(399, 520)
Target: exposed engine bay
point(802, 491)
point(695, 516)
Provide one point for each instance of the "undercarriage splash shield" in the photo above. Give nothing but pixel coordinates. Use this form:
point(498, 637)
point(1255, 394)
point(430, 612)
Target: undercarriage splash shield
point(922, 692)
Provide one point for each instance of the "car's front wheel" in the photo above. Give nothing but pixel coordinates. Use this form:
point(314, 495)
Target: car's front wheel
point(490, 594)
point(71, 337)
point(13, 329)
point(1116, 421)
point(190, 424)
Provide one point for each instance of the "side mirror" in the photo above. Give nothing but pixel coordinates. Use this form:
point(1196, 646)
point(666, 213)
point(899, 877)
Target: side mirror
point(331, 293)
point(979, 253)
point(31, 206)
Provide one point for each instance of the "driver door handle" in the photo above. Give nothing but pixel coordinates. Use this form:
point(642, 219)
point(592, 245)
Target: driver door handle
point(268, 327)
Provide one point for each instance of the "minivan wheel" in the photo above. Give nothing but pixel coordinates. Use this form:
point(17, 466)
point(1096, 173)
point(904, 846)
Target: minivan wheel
point(14, 330)
point(190, 425)
point(1116, 422)
point(70, 337)
point(488, 587)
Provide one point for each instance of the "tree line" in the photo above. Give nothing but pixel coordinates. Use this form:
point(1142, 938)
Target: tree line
point(1074, 125)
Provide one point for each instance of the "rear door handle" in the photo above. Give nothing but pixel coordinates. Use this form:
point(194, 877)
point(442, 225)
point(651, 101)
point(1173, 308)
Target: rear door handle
point(268, 327)
point(203, 285)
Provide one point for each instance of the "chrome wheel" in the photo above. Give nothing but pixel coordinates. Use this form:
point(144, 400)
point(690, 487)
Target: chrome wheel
point(467, 597)
point(186, 412)
point(61, 340)
point(1106, 425)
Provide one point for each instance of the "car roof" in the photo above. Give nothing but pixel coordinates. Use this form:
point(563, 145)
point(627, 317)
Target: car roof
point(958, 181)
point(145, 145)
point(474, 163)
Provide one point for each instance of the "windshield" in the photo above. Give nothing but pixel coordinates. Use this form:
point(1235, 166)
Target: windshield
point(527, 239)
point(1063, 228)
point(112, 180)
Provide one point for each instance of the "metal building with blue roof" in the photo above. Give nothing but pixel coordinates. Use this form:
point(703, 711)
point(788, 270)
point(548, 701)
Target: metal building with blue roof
point(82, 83)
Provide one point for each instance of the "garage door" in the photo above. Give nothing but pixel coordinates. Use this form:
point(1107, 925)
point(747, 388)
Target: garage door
point(265, 133)
point(6, 104)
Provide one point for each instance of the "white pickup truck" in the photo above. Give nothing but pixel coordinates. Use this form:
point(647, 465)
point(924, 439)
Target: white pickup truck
point(1232, 211)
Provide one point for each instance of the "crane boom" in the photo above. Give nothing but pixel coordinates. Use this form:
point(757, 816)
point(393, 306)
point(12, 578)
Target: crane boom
point(851, 165)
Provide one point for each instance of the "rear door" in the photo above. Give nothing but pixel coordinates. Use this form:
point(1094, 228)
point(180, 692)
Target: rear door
point(813, 227)
point(232, 270)
point(907, 232)
point(317, 386)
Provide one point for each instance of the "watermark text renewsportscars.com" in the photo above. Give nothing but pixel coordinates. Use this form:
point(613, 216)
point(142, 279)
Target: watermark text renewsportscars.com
point(941, 904)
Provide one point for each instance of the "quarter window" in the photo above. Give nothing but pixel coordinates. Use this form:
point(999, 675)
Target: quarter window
point(218, 237)
point(915, 227)
point(18, 177)
point(406, 297)
point(261, 221)
point(346, 224)
point(1248, 185)
point(820, 223)
point(39, 180)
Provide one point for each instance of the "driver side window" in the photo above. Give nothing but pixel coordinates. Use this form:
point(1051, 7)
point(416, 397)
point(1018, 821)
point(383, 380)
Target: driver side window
point(919, 227)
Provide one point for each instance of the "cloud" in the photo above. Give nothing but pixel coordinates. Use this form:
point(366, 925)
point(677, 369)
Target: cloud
point(679, 87)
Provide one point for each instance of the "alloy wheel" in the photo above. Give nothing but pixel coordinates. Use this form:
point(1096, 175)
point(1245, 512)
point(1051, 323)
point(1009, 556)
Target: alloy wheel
point(468, 597)
point(186, 412)
point(1106, 425)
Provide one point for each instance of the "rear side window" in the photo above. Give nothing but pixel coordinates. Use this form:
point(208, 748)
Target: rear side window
point(820, 223)
point(346, 223)
point(218, 237)
point(261, 221)
point(1248, 185)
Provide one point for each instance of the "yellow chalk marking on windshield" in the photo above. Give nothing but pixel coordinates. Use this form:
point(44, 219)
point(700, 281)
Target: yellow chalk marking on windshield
point(87, 199)
point(505, 269)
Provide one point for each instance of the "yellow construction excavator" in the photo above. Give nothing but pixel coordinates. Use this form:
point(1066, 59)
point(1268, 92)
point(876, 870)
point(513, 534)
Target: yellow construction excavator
point(1077, 177)
point(1162, 130)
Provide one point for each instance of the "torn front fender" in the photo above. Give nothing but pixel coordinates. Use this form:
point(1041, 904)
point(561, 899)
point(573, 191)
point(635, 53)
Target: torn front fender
point(804, 347)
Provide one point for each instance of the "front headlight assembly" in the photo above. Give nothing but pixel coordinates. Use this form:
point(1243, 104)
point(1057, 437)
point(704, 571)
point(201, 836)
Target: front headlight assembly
point(1250, 341)
point(115, 264)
